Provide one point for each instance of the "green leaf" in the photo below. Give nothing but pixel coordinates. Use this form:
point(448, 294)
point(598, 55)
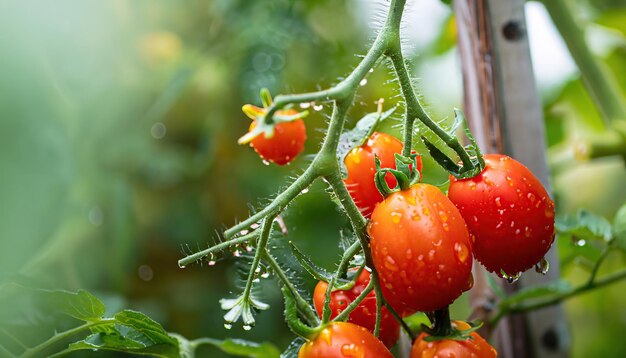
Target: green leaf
point(619, 228)
point(81, 305)
point(143, 328)
point(358, 135)
point(555, 288)
point(583, 227)
point(123, 343)
point(242, 348)
point(293, 348)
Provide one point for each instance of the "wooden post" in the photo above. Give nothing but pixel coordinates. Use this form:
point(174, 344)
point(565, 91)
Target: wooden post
point(505, 114)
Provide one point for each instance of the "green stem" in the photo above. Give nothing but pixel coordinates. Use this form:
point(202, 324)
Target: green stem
point(442, 326)
point(596, 266)
point(279, 203)
point(346, 312)
point(32, 352)
point(415, 110)
point(293, 321)
point(600, 83)
point(399, 319)
point(303, 307)
point(607, 280)
point(266, 228)
point(350, 252)
point(182, 263)
point(379, 301)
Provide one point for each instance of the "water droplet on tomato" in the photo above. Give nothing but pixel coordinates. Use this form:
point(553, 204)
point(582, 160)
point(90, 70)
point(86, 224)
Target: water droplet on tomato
point(415, 217)
point(549, 212)
point(470, 282)
point(510, 278)
point(438, 243)
point(395, 217)
point(472, 185)
point(431, 254)
point(390, 264)
point(443, 216)
point(445, 227)
point(409, 254)
point(461, 251)
point(509, 181)
point(498, 203)
point(426, 212)
point(542, 266)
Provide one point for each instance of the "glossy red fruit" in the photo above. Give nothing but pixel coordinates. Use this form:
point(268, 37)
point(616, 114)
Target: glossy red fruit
point(509, 214)
point(361, 169)
point(286, 143)
point(364, 314)
point(342, 340)
point(421, 249)
point(476, 347)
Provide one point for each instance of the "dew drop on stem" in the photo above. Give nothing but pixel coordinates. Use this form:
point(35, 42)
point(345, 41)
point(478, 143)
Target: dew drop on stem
point(247, 327)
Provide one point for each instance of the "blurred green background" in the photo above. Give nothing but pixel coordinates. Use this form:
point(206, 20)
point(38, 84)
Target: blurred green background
point(118, 143)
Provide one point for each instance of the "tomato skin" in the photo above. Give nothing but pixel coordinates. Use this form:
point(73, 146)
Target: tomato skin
point(362, 168)
point(475, 348)
point(285, 145)
point(421, 249)
point(364, 314)
point(343, 339)
point(509, 214)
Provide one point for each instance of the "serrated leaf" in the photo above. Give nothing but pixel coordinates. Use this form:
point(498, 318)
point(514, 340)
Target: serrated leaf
point(584, 226)
point(293, 348)
point(144, 328)
point(358, 135)
point(619, 228)
point(81, 305)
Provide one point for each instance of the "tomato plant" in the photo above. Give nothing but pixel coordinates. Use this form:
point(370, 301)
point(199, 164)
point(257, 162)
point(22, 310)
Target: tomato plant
point(509, 214)
point(421, 249)
point(364, 314)
point(342, 339)
point(361, 169)
point(474, 346)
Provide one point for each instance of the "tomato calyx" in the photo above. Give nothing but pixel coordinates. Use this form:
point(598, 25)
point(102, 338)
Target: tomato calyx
point(406, 174)
point(443, 329)
point(266, 124)
point(472, 164)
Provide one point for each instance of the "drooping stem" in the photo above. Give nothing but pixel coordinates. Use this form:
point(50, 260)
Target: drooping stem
point(414, 109)
point(602, 86)
point(291, 315)
point(303, 307)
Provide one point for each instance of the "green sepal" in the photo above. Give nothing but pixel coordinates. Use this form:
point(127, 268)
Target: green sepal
point(317, 272)
point(456, 334)
point(266, 97)
point(406, 174)
point(356, 137)
point(293, 321)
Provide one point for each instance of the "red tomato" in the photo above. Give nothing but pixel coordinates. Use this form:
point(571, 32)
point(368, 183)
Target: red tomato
point(341, 340)
point(361, 169)
point(286, 144)
point(476, 347)
point(509, 214)
point(421, 249)
point(364, 314)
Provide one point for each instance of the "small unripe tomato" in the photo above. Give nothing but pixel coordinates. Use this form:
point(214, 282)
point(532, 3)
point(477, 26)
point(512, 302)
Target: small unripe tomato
point(286, 143)
point(341, 340)
point(475, 347)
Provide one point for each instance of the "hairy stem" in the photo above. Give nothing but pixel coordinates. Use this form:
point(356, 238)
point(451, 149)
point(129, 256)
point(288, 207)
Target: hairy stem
point(217, 248)
point(266, 228)
point(414, 109)
point(303, 307)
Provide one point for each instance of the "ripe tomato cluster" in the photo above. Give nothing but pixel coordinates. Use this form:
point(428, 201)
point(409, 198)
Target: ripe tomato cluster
point(423, 243)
